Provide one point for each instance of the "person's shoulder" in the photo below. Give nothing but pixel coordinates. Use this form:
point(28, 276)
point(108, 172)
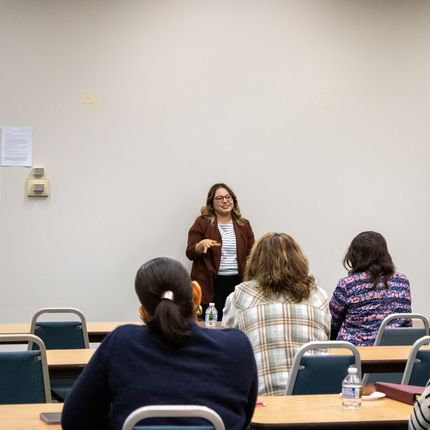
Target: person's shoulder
point(202, 221)
point(245, 291)
point(122, 337)
point(320, 294)
point(245, 223)
point(230, 337)
point(201, 224)
point(128, 330)
point(317, 298)
point(400, 276)
point(242, 287)
point(352, 279)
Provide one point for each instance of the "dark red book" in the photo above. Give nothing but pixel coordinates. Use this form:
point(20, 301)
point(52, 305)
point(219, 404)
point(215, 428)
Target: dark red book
point(403, 393)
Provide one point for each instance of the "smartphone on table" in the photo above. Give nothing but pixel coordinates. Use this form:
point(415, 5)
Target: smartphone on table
point(51, 417)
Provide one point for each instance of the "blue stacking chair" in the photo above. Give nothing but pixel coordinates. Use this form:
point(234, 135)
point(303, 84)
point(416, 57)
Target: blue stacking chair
point(417, 370)
point(390, 336)
point(60, 335)
point(321, 374)
point(24, 376)
point(158, 411)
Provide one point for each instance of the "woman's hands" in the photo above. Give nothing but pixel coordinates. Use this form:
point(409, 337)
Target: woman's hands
point(205, 244)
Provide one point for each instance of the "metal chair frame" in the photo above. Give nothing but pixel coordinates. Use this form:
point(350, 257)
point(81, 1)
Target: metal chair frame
point(401, 330)
point(158, 411)
point(296, 367)
point(61, 311)
point(412, 359)
point(20, 338)
point(389, 318)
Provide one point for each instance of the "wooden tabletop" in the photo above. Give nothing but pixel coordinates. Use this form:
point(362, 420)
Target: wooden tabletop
point(68, 357)
point(326, 411)
point(97, 331)
point(289, 412)
point(373, 359)
point(67, 363)
point(27, 417)
point(380, 359)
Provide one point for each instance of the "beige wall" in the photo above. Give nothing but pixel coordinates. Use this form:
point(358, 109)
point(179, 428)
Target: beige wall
point(316, 112)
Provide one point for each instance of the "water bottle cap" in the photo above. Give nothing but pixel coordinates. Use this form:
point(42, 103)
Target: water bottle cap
point(211, 304)
point(352, 370)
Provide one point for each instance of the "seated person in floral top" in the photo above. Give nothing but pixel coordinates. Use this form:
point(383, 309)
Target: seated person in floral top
point(371, 291)
point(279, 307)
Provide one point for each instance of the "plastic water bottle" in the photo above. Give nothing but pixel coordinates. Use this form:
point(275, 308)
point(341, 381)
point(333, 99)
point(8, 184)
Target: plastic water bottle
point(352, 389)
point(211, 315)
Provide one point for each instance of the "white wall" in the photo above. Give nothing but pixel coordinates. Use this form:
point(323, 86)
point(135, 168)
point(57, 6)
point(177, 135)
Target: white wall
point(316, 112)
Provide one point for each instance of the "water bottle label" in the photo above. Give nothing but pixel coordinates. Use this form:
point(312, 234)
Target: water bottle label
point(351, 392)
point(211, 317)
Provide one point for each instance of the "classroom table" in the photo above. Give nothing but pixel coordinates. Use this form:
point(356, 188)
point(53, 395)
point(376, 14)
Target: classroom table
point(67, 363)
point(64, 363)
point(97, 331)
point(281, 412)
point(374, 359)
point(381, 359)
point(326, 412)
point(27, 417)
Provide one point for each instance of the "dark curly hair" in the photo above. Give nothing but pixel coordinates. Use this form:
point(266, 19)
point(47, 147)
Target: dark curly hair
point(368, 253)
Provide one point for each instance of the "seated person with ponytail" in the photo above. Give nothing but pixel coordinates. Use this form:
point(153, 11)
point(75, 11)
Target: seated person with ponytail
point(169, 360)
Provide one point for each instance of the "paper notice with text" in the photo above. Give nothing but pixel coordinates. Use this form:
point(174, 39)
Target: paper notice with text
point(16, 146)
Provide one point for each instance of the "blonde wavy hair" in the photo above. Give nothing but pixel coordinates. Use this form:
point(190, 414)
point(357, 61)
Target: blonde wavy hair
point(208, 210)
point(279, 266)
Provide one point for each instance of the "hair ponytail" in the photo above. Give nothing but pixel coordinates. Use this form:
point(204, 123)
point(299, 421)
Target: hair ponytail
point(168, 322)
point(164, 288)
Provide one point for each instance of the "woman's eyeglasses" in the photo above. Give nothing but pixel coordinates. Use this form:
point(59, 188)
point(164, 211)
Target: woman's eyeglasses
point(219, 199)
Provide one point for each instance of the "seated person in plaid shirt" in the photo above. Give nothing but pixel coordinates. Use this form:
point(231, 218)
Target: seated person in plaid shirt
point(279, 307)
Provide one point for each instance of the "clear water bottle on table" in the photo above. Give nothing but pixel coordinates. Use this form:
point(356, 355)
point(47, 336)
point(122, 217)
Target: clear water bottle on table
point(352, 389)
point(211, 315)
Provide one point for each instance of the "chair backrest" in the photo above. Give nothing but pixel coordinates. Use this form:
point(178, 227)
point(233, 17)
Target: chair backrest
point(389, 336)
point(417, 370)
point(158, 411)
point(276, 332)
point(60, 334)
point(24, 376)
point(321, 374)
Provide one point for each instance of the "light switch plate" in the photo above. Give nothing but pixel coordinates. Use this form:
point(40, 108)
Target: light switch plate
point(30, 188)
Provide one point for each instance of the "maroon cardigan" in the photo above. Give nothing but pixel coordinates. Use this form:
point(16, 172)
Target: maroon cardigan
point(205, 266)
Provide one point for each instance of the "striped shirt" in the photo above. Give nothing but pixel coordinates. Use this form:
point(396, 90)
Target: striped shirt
point(277, 328)
point(420, 417)
point(228, 266)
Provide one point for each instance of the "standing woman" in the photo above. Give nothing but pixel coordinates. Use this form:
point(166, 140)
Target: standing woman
point(371, 291)
point(218, 244)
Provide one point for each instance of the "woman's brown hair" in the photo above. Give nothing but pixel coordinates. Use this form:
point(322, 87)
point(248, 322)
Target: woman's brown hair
point(168, 316)
point(279, 266)
point(208, 212)
point(368, 253)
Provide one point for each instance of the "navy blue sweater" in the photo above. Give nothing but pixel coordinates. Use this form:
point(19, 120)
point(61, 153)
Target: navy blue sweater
point(133, 368)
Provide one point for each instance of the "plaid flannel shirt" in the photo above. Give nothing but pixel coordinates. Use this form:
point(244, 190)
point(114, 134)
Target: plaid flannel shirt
point(277, 328)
